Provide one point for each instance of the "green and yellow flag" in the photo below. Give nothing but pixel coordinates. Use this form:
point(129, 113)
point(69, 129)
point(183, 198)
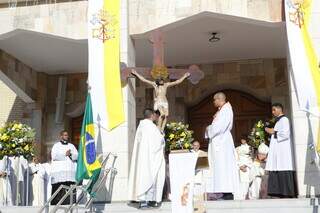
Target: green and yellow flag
point(88, 167)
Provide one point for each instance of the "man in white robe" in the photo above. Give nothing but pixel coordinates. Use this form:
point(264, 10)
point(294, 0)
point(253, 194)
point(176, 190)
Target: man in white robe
point(5, 186)
point(19, 180)
point(221, 151)
point(63, 168)
point(37, 173)
point(147, 170)
point(258, 175)
point(281, 181)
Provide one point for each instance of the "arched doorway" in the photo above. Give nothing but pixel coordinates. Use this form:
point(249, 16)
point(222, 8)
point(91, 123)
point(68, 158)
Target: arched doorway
point(246, 108)
point(76, 124)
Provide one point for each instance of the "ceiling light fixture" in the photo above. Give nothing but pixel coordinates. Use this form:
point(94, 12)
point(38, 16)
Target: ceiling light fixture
point(214, 37)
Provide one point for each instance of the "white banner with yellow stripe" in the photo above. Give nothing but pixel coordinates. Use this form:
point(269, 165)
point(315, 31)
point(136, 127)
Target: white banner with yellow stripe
point(104, 62)
point(304, 60)
point(303, 56)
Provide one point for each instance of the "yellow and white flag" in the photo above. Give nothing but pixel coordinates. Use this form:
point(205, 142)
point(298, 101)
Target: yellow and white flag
point(104, 62)
point(304, 59)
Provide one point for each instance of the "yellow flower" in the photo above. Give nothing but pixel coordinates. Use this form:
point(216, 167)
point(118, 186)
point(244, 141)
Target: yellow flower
point(183, 134)
point(4, 137)
point(26, 148)
point(171, 136)
point(186, 145)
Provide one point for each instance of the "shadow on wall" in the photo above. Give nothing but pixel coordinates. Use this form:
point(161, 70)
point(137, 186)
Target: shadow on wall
point(312, 166)
point(106, 191)
point(18, 111)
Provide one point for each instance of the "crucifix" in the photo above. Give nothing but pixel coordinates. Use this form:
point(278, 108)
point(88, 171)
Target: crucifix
point(160, 73)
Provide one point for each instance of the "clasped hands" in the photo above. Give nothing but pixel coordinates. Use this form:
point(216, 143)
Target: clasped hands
point(269, 130)
point(68, 153)
point(3, 174)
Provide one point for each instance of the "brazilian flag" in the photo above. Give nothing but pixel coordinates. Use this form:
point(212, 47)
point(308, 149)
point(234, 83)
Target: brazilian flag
point(88, 167)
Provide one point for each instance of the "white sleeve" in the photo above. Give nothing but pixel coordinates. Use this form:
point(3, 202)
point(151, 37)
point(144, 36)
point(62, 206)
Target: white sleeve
point(57, 155)
point(282, 130)
point(220, 125)
point(33, 168)
point(74, 152)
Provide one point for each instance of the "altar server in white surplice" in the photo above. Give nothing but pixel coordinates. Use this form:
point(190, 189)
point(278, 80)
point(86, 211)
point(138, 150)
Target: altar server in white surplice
point(221, 151)
point(258, 175)
point(147, 171)
point(282, 183)
point(63, 167)
point(244, 164)
point(5, 186)
point(37, 173)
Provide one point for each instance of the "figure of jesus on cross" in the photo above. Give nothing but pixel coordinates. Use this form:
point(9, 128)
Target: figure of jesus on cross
point(160, 95)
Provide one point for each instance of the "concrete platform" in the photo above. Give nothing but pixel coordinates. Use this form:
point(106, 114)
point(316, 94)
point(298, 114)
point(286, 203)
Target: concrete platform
point(249, 206)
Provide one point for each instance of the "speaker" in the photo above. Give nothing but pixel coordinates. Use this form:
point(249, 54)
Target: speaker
point(60, 100)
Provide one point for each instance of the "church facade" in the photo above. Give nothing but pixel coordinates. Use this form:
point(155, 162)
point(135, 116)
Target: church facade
point(43, 71)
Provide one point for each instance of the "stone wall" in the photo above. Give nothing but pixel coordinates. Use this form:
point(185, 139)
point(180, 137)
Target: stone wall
point(75, 96)
point(146, 15)
point(12, 107)
point(266, 79)
point(62, 19)
point(22, 76)
point(69, 19)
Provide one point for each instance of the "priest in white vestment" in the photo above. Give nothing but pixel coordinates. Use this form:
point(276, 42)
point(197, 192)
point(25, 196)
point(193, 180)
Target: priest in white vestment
point(19, 180)
point(147, 170)
point(5, 186)
point(221, 151)
point(37, 172)
point(244, 164)
point(281, 181)
point(258, 175)
point(63, 168)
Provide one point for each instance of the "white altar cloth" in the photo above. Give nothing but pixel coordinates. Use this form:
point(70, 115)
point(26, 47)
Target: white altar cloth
point(182, 172)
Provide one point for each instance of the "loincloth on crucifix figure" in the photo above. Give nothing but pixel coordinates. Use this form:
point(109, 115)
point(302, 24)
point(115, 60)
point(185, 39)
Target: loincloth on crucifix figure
point(160, 95)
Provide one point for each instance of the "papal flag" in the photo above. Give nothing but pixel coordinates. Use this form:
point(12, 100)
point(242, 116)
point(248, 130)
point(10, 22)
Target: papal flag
point(304, 59)
point(104, 62)
point(88, 166)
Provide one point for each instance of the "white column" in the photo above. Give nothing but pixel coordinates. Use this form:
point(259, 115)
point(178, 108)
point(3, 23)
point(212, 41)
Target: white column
point(305, 133)
point(119, 140)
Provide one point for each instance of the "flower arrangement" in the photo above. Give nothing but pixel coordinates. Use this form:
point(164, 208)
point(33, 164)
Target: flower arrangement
point(178, 136)
point(258, 134)
point(16, 139)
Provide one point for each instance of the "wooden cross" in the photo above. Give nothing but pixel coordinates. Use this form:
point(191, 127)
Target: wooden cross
point(158, 59)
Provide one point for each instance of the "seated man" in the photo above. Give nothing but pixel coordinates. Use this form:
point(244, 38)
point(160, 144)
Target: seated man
point(147, 171)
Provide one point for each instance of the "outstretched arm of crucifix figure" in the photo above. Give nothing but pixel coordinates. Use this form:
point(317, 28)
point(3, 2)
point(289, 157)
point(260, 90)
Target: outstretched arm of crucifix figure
point(135, 73)
point(179, 81)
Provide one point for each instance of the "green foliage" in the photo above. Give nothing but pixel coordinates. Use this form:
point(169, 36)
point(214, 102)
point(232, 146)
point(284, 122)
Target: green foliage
point(258, 134)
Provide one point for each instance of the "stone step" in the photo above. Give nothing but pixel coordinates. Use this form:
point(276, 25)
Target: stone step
point(301, 205)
